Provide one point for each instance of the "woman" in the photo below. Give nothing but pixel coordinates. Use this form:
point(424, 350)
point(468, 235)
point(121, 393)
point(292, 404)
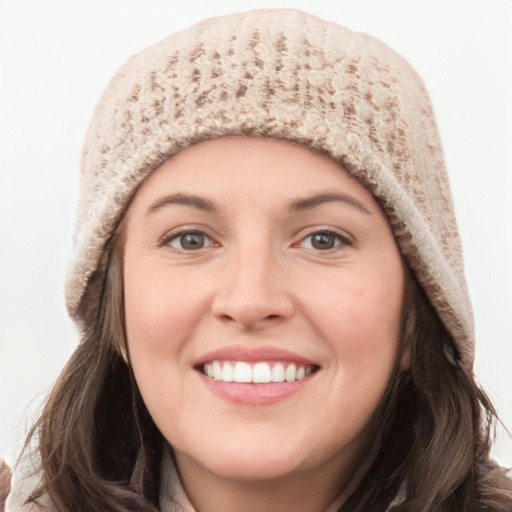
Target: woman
point(269, 281)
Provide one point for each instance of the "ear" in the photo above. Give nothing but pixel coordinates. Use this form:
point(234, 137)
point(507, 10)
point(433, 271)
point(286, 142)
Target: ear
point(405, 360)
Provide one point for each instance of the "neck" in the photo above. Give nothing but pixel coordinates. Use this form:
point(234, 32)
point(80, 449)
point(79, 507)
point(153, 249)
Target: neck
point(314, 491)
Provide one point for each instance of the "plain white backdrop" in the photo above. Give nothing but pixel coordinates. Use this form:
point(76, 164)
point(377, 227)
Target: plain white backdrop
point(56, 57)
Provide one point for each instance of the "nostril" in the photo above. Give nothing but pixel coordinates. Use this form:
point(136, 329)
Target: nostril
point(251, 310)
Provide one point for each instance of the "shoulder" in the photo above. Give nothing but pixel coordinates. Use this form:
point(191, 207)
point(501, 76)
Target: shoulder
point(24, 481)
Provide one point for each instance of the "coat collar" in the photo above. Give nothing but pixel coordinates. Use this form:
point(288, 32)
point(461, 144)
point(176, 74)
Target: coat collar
point(171, 490)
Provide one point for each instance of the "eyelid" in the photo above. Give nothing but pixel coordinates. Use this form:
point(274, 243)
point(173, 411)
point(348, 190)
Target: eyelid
point(344, 237)
point(184, 230)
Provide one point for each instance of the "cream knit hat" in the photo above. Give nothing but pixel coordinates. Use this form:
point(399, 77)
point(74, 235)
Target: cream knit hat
point(288, 75)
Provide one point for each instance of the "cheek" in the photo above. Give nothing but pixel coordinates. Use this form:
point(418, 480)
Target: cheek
point(161, 309)
point(360, 315)
point(363, 332)
point(156, 328)
point(146, 324)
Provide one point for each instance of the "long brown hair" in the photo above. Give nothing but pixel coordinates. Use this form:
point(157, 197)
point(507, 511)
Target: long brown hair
point(100, 450)
point(434, 429)
point(98, 447)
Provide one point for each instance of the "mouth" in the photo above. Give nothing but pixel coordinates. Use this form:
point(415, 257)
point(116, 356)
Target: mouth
point(262, 372)
point(255, 376)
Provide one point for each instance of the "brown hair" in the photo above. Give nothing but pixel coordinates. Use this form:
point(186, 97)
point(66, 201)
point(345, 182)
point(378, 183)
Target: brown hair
point(100, 449)
point(435, 429)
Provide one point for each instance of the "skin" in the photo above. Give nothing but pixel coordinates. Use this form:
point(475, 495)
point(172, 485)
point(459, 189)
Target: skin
point(260, 279)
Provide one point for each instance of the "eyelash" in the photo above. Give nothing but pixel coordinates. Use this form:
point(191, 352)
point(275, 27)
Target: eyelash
point(339, 240)
point(179, 237)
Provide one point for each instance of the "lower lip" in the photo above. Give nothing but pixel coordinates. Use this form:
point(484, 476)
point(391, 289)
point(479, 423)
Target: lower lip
point(254, 394)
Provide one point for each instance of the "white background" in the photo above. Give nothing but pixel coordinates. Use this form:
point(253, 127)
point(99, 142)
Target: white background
point(57, 56)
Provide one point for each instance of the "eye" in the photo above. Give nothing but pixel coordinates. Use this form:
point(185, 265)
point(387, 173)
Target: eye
point(189, 241)
point(324, 240)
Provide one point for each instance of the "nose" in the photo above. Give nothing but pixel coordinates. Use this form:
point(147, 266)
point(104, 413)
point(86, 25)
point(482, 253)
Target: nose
point(252, 293)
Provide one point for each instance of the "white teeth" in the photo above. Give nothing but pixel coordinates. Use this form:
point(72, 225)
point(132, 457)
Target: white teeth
point(291, 372)
point(278, 373)
point(217, 371)
point(243, 372)
point(260, 373)
point(228, 375)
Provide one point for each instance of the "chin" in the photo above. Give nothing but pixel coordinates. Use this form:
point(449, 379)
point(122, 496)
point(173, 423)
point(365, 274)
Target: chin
point(246, 460)
point(245, 469)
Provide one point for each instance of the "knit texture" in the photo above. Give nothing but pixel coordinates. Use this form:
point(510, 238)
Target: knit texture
point(288, 75)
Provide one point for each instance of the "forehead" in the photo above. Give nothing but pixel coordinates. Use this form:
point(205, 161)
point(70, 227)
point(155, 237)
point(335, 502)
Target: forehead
point(250, 167)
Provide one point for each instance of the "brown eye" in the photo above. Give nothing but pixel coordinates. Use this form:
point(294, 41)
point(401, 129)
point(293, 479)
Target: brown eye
point(191, 241)
point(324, 241)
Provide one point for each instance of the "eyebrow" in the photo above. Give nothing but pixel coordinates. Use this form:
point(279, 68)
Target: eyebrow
point(200, 203)
point(297, 205)
point(316, 200)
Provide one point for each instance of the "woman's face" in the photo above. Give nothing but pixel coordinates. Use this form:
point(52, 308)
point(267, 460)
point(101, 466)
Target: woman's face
point(263, 295)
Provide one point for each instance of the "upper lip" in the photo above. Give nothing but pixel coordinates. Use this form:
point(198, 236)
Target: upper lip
point(240, 353)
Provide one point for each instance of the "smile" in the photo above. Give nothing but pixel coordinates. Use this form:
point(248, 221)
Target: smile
point(255, 375)
point(261, 372)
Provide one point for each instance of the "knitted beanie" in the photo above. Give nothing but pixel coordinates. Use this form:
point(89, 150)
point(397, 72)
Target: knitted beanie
point(288, 75)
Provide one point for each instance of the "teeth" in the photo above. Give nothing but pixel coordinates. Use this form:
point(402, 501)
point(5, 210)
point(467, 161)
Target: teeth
point(217, 371)
point(243, 372)
point(278, 373)
point(260, 373)
point(228, 375)
point(291, 373)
